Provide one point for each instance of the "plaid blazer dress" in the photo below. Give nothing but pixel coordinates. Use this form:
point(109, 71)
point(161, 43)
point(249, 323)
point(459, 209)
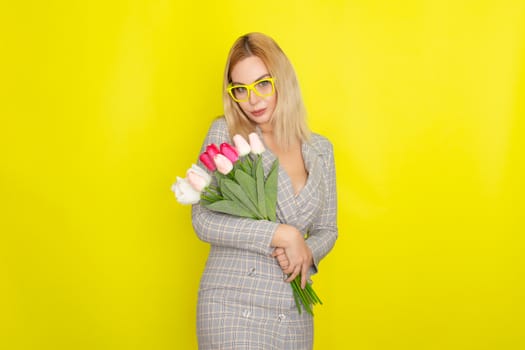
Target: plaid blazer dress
point(244, 302)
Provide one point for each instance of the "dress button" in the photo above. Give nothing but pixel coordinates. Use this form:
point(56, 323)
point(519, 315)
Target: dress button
point(281, 317)
point(246, 313)
point(252, 272)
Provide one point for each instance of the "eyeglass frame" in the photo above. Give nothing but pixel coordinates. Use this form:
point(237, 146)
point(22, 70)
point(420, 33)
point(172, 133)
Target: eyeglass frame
point(251, 87)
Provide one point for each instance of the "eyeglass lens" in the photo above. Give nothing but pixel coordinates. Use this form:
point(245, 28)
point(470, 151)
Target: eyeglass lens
point(262, 88)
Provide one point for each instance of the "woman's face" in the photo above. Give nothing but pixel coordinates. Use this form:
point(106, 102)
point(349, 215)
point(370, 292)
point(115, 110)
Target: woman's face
point(258, 109)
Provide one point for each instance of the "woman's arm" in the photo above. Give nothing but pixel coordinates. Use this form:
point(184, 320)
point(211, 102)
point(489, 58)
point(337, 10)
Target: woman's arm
point(228, 230)
point(236, 232)
point(293, 253)
point(323, 233)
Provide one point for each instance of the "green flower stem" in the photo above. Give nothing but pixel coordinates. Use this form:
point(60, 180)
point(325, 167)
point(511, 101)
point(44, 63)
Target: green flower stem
point(211, 194)
point(244, 165)
point(307, 296)
point(213, 189)
point(313, 294)
point(210, 198)
point(299, 298)
point(296, 298)
point(302, 295)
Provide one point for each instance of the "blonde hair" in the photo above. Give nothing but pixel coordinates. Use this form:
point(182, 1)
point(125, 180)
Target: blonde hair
point(289, 117)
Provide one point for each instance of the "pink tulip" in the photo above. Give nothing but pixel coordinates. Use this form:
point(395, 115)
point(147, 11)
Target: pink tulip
point(224, 165)
point(207, 160)
point(212, 150)
point(229, 152)
point(196, 181)
point(198, 178)
point(256, 145)
point(243, 148)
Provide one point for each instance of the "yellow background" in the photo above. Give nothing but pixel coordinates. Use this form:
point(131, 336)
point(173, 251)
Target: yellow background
point(104, 103)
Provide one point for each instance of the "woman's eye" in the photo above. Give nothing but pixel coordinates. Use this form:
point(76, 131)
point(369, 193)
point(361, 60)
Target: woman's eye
point(239, 90)
point(263, 83)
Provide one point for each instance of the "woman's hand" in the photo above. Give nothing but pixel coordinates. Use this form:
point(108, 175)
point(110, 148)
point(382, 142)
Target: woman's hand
point(280, 255)
point(297, 257)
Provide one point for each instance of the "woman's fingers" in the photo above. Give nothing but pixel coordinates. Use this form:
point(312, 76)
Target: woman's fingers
point(277, 251)
point(300, 258)
point(304, 275)
point(294, 260)
point(294, 274)
point(282, 259)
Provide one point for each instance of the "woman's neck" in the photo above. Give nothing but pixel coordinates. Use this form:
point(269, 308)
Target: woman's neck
point(266, 129)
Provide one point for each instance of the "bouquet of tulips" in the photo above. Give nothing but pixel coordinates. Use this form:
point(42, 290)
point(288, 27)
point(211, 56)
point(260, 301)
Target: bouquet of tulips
point(241, 189)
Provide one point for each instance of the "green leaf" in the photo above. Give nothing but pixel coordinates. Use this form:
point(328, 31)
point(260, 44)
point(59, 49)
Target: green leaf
point(270, 191)
point(233, 191)
point(229, 207)
point(247, 183)
point(259, 179)
point(210, 195)
point(246, 164)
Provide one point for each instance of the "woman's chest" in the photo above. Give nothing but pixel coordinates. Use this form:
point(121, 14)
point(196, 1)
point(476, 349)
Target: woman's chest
point(301, 207)
point(293, 164)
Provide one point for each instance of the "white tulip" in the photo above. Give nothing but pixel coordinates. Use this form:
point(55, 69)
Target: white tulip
point(184, 192)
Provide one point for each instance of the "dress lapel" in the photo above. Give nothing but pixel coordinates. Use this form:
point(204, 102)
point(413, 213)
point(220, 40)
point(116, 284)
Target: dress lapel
point(290, 207)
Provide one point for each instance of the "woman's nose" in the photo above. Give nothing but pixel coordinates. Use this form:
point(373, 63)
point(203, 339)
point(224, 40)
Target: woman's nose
point(254, 98)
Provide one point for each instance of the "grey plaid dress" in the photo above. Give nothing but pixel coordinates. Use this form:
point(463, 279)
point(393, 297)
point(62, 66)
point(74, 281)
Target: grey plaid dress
point(244, 302)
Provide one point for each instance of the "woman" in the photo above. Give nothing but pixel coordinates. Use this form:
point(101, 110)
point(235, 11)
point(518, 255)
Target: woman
point(245, 299)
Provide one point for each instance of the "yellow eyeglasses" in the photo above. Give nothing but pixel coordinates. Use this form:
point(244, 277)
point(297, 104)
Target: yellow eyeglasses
point(262, 88)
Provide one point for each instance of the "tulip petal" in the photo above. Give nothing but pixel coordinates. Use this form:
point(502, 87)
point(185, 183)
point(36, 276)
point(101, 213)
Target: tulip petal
point(229, 152)
point(208, 162)
point(184, 192)
point(212, 150)
point(196, 181)
point(256, 144)
point(224, 165)
point(201, 172)
point(242, 145)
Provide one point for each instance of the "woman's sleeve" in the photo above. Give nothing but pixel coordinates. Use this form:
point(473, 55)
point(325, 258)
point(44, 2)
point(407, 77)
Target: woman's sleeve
point(323, 233)
point(228, 230)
